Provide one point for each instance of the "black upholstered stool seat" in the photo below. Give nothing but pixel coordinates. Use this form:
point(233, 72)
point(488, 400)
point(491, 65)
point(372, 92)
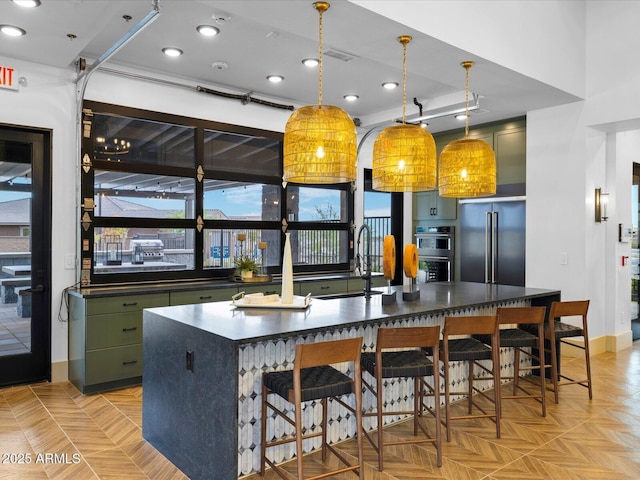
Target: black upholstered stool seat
point(407, 363)
point(315, 382)
point(461, 349)
point(564, 330)
point(511, 338)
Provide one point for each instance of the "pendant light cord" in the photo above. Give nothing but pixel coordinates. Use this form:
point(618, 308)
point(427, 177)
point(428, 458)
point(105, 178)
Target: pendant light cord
point(321, 10)
point(467, 66)
point(404, 82)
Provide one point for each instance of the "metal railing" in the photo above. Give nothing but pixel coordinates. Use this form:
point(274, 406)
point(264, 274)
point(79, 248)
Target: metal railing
point(380, 227)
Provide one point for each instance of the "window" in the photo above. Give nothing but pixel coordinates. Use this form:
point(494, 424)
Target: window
point(169, 198)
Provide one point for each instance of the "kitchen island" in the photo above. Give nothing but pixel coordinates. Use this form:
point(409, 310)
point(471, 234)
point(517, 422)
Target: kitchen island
point(203, 365)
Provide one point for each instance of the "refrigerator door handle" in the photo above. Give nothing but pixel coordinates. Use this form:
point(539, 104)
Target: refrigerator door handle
point(487, 243)
point(494, 246)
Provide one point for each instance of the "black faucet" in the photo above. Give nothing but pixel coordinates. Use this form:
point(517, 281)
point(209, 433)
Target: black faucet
point(364, 264)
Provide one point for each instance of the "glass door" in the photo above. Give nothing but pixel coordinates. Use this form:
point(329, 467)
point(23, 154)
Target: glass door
point(25, 299)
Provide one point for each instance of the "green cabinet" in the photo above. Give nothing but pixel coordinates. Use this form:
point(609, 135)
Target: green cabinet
point(431, 206)
point(214, 294)
point(105, 339)
point(324, 287)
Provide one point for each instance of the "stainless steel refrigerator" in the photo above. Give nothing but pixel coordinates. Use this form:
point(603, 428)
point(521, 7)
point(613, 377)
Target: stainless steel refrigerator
point(492, 240)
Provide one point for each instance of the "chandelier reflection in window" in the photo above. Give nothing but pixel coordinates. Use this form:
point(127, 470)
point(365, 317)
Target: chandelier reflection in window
point(112, 146)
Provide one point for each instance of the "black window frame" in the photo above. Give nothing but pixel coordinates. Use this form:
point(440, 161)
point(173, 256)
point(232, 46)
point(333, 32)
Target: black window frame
point(89, 220)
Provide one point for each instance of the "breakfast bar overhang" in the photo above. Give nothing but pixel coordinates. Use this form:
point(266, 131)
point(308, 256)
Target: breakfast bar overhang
point(203, 364)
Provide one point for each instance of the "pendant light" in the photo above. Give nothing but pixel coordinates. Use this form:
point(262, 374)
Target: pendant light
point(404, 156)
point(467, 166)
point(320, 143)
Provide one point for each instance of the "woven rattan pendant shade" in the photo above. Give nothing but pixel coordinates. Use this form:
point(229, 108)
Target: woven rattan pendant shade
point(404, 160)
point(467, 166)
point(404, 156)
point(320, 142)
point(320, 146)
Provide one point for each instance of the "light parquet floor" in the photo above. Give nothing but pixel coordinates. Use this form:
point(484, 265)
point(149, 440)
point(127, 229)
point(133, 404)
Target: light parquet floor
point(67, 435)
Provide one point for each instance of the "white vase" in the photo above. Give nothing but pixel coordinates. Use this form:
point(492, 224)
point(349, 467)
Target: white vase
point(286, 296)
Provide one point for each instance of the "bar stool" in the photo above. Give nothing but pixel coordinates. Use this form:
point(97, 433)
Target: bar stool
point(313, 378)
point(529, 343)
point(563, 330)
point(471, 350)
point(405, 364)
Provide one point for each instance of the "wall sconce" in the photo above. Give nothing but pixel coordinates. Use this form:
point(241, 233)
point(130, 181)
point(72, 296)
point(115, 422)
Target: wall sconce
point(601, 205)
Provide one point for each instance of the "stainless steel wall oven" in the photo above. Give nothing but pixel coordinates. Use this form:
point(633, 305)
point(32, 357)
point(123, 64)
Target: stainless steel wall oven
point(435, 253)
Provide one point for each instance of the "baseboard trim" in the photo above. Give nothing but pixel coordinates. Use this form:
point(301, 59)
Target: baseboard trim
point(59, 371)
point(604, 343)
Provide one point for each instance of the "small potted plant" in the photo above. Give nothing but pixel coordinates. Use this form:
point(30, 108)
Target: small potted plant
point(247, 266)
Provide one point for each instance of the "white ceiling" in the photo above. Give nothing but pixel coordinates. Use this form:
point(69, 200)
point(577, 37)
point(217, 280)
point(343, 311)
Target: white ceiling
point(262, 37)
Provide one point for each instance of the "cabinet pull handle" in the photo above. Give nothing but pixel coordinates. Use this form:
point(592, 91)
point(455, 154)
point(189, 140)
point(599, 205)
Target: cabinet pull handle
point(132, 304)
point(131, 362)
point(270, 292)
point(130, 329)
point(325, 287)
point(205, 297)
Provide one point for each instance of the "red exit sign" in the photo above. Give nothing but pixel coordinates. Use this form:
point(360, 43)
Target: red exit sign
point(8, 78)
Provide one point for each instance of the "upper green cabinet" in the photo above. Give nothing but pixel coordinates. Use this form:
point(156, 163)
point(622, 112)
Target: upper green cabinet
point(509, 143)
point(510, 147)
point(431, 206)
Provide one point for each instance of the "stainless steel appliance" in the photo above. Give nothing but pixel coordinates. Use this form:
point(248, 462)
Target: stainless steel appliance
point(435, 253)
point(151, 249)
point(492, 240)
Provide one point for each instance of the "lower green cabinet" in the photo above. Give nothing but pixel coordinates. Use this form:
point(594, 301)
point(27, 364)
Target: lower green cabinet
point(190, 297)
point(105, 339)
point(114, 364)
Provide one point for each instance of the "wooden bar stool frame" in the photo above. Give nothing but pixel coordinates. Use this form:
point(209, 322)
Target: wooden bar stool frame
point(562, 330)
point(524, 342)
point(302, 384)
point(472, 351)
point(405, 364)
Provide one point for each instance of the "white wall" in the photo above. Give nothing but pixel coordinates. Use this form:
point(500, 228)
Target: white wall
point(543, 40)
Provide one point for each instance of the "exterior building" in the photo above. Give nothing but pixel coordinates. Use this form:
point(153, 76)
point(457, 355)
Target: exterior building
point(582, 48)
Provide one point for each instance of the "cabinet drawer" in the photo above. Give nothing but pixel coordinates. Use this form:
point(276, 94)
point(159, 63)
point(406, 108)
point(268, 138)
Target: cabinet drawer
point(110, 364)
point(114, 330)
point(126, 303)
point(324, 288)
point(357, 284)
point(202, 296)
point(266, 289)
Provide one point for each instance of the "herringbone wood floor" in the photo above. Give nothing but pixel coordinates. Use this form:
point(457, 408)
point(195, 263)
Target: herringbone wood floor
point(579, 439)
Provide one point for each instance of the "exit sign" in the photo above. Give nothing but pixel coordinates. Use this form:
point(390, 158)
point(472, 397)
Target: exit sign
point(8, 78)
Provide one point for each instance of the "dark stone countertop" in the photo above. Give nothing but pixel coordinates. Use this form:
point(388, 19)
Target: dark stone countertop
point(245, 325)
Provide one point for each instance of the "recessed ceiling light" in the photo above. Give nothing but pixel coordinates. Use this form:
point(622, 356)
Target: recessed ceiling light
point(172, 51)
point(275, 78)
point(390, 85)
point(27, 3)
point(12, 31)
point(310, 62)
point(461, 116)
point(351, 98)
point(208, 30)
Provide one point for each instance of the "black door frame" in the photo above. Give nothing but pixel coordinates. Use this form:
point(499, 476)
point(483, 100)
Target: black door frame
point(35, 365)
